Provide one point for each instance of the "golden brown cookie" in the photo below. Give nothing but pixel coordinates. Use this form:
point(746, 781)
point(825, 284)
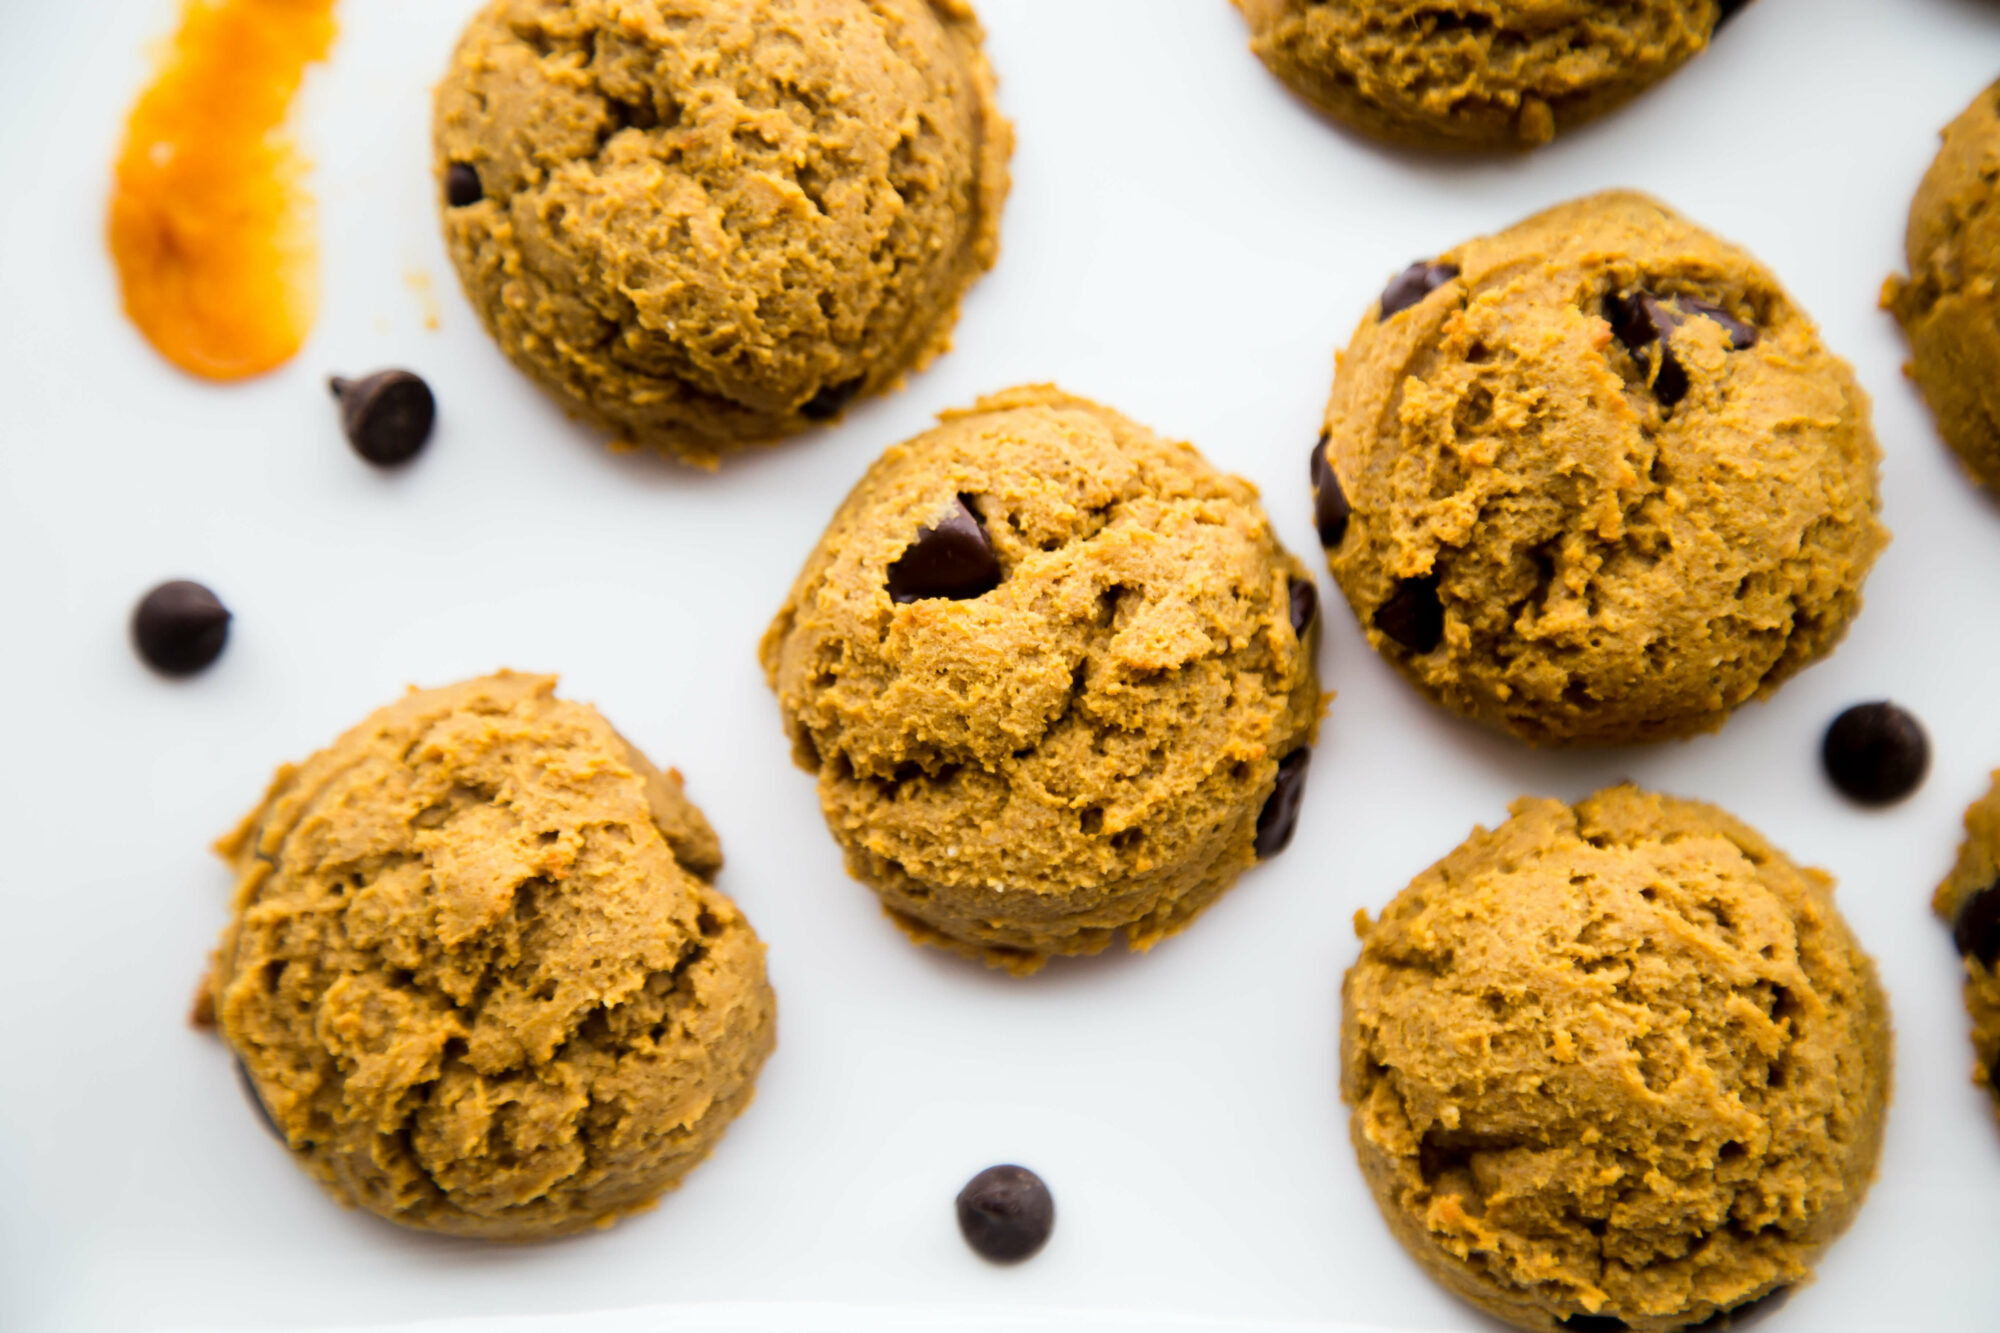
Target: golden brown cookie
point(706, 224)
point(1475, 73)
point(476, 973)
point(1948, 306)
point(1620, 1064)
point(1055, 677)
point(1969, 902)
point(1596, 479)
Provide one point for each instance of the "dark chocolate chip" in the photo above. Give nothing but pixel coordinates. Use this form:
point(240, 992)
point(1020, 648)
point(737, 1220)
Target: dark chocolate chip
point(179, 628)
point(1330, 508)
point(1279, 818)
point(1413, 616)
point(1976, 930)
point(1006, 1213)
point(386, 416)
point(1742, 337)
point(826, 404)
point(1413, 284)
point(1305, 605)
point(1876, 753)
point(950, 558)
point(1594, 1323)
point(1744, 1315)
point(1726, 10)
point(263, 1111)
point(461, 185)
point(1640, 319)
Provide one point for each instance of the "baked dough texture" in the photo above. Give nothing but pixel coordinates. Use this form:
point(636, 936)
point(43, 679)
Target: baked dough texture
point(1613, 545)
point(1474, 73)
point(1948, 306)
point(706, 224)
point(1621, 1061)
point(1085, 748)
point(1976, 874)
point(476, 972)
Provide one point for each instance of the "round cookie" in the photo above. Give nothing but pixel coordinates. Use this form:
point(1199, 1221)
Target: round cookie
point(1947, 306)
point(1620, 1065)
point(1596, 479)
point(1969, 902)
point(706, 224)
point(476, 973)
point(1475, 73)
point(1055, 676)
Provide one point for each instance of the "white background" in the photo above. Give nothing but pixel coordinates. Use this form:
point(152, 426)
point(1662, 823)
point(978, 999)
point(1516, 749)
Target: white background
point(1184, 241)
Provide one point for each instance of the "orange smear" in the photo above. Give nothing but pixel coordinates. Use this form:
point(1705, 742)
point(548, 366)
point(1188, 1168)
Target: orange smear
point(210, 224)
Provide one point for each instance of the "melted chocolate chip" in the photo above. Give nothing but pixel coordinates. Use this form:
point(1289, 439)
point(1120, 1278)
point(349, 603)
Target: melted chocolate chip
point(386, 416)
point(461, 185)
point(1279, 818)
point(179, 628)
point(1006, 1213)
point(1744, 1315)
point(1413, 616)
point(1876, 753)
point(1594, 1323)
point(950, 558)
point(1413, 284)
point(826, 404)
point(263, 1111)
point(1305, 605)
point(1330, 508)
point(1976, 930)
point(1640, 320)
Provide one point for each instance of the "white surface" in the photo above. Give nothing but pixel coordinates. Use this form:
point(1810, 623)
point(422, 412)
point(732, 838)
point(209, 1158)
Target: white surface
point(1183, 241)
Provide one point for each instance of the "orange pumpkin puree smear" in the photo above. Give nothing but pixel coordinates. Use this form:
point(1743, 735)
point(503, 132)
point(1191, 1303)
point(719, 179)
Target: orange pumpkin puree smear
point(210, 223)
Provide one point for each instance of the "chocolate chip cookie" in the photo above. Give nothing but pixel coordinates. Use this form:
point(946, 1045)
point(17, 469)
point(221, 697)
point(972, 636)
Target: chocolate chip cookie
point(476, 973)
point(1054, 675)
point(705, 224)
point(1615, 1066)
point(1596, 479)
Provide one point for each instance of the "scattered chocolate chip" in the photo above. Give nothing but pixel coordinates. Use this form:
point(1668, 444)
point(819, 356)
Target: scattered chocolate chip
point(1006, 1213)
point(386, 416)
point(1742, 1316)
point(1330, 508)
point(461, 185)
point(1594, 1323)
point(1305, 605)
point(1412, 285)
point(1413, 616)
point(1976, 930)
point(1641, 319)
point(950, 558)
point(1876, 753)
point(179, 628)
point(263, 1111)
point(1279, 818)
point(826, 404)
point(1726, 10)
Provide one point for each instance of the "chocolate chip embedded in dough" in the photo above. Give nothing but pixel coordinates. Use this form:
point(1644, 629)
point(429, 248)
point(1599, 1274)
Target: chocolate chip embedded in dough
point(1305, 605)
point(1413, 616)
point(1279, 818)
point(1976, 929)
point(1413, 284)
point(950, 558)
point(461, 185)
point(1330, 507)
point(826, 404)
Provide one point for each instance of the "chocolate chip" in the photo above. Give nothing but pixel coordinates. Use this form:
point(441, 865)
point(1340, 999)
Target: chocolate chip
point(1279, 818)
point(1976, 929)
point(461, 185)
point(1412, 285)
point(1330, 508)
point(1742, 1316)
point(1305, 605)
point(1640, 319)
point(179, 628)
point(950, 558)
point(1594, 1323)
point(1876, 753)
point(826, 404)
point(386, 416)
point(1726, 10)
point(1413, 616)
point(1006, 1213)
point(263, 1111)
